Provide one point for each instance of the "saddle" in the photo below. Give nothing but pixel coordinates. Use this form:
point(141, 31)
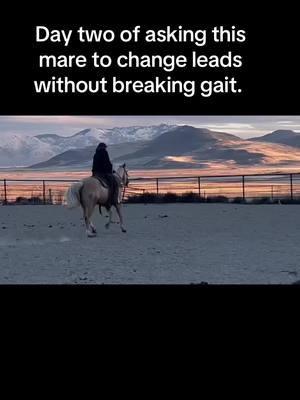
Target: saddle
point(102, 180)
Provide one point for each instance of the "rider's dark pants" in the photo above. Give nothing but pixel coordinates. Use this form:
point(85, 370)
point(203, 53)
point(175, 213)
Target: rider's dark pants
point(113, 186)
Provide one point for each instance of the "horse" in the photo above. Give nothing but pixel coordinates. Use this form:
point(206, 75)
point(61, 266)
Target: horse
point(91, 192)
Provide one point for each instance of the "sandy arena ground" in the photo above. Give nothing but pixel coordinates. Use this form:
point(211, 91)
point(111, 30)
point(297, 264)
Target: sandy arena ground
point(167, 243)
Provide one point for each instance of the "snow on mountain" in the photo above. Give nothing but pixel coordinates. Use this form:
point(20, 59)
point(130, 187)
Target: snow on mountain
point(24, 150)
point(135, 133)
point(92, 136)
point(19, 150)
point(84, 138)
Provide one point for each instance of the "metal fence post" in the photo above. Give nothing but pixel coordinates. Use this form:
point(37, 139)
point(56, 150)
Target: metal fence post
point(50, 196)
point(291, 186)
point(243, 184)
point(272, 192)
point(5, 191)
point(199, 186)
point(44, 192)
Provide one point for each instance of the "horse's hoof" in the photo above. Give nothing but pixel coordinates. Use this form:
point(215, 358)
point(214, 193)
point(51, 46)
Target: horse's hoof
point(124, 230)
point(91, 234)
point(106, 226)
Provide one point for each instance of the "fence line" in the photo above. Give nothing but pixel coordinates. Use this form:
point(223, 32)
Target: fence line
point(245, 186)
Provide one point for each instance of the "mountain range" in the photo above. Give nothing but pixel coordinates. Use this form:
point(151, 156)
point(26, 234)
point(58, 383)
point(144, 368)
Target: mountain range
point(159, 146)
point(23, 150)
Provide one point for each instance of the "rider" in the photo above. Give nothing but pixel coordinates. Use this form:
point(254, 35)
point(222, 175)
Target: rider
point(102, 167)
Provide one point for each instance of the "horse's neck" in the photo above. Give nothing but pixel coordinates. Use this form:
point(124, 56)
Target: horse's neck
point(119, 175)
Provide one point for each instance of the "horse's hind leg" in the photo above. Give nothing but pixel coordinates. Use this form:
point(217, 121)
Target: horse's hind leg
point(87, 221)
point(87, 213)
point(91, 209)
point(109, 219)
point(94, 230)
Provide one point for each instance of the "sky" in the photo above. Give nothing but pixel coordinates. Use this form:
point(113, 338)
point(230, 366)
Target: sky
point(243, 126)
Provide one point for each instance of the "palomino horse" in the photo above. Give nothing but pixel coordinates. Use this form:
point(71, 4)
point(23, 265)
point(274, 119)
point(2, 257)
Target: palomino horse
point(90, 192)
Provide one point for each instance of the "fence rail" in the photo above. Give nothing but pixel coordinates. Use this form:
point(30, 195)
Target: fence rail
point(274, 186)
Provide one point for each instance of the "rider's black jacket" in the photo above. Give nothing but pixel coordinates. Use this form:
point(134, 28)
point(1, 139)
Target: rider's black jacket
point(101, 163)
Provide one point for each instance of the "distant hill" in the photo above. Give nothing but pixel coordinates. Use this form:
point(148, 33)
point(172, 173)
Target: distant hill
point(181, 140)
point(84, 157)
point(187, 146)
point(287, 137)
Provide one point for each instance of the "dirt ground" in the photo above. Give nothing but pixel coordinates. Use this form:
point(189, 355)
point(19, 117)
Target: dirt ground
point(164, 244)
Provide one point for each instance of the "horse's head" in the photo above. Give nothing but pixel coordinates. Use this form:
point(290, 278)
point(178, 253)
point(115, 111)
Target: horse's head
point(123, 174)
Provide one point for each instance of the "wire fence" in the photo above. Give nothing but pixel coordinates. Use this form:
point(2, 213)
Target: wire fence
point(274, 187)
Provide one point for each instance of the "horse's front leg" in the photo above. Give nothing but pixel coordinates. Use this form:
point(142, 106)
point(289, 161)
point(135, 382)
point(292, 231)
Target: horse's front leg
point(119, 211)
point(109, 218)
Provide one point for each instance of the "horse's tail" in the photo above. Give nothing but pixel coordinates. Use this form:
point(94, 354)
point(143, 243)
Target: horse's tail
point(73, 195)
